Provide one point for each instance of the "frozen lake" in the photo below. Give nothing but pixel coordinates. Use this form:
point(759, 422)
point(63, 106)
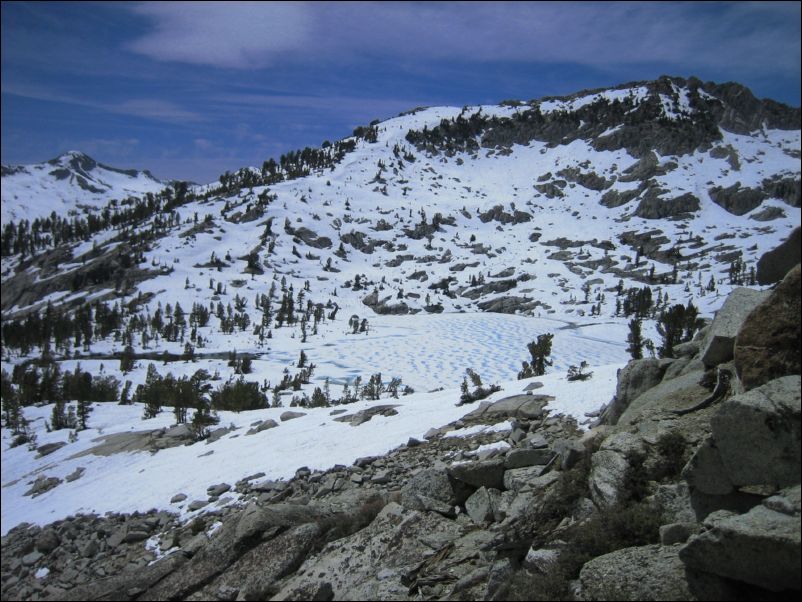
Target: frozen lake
point(432, 351)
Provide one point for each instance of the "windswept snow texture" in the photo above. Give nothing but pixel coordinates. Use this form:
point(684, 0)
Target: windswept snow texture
point(428, 352)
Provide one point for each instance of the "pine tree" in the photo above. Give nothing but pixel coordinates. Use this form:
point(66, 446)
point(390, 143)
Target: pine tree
point(150, 393)
point(10, 401)
point(540, 352)
point(84, 409)
point(202, 419)
point(465, 393)
point(125, 396)
point(677, 325)
point(374, 387)
point(318, 399)
point(670, 325)
point(393, 386)
point(692, 322)
point(635, 339)
point(127, 362)
point(58, 416)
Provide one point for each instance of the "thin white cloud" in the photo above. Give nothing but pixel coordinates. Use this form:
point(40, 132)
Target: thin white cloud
point(148, 108)
point(153, 108)
point(203, 144)
point(223, 34)
point(598, 34)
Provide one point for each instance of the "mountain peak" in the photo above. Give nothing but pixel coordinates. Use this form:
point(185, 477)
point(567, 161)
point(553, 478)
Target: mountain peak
point(75, 160)
point(67, 181)
point(74, 154)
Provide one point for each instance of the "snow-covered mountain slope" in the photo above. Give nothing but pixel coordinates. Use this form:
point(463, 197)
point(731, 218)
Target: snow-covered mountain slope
point(316, 439)
point(72, 182)
point(437, 241)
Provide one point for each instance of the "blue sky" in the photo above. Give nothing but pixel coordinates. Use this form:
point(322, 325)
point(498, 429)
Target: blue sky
point(190, 90)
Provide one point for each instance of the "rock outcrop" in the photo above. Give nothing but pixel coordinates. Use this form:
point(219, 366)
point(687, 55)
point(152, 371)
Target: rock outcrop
point(637, 377)
point(760, 547)
point(736, 199)
point(652, 572)
point(767, 345)
point(755, 441)
point(720, 339)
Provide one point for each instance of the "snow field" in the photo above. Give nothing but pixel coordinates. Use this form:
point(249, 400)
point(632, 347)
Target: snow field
point(141, 481)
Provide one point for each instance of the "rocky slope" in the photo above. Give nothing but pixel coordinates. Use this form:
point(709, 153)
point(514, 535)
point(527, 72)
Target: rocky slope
point(656, 503)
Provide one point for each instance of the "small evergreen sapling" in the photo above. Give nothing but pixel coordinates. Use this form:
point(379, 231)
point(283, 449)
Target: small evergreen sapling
point(540, 352)
point(635, 339)
point(479, 391)
point(575, 373)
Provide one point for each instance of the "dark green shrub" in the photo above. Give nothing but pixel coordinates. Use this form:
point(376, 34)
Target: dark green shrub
point(479, 391)
point(239, 395)
point(527, 585)
point(674, 453)
point(614, 528)
point(636, 480)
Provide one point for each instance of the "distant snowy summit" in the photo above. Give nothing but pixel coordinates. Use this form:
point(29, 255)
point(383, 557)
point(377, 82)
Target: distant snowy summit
point(72, 182)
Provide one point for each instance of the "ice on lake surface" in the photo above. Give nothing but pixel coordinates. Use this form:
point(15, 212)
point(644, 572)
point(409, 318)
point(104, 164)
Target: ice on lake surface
point(432, 351)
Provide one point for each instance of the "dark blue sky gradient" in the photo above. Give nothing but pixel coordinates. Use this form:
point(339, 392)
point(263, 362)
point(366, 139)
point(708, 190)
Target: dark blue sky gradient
point(191, 90)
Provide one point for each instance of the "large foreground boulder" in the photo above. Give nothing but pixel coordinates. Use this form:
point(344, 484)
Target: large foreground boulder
point(755, 441)
point(660, 575)
point(775, 264)
point(646, 573)
point(430, 489)
point(483, 473)
point(767, 345)
point(761, 547)
point(634, 379)
point(758, 434)
point(526, 407)
point(684, 391)
point(720, 340)
point(376, 563)
point(609, 467)
point(253, 577)
point(126, 585)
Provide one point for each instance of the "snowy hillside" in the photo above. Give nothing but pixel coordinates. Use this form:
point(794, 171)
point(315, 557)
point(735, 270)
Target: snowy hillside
point(442, 240)
point(71, 182)
point(141, 481)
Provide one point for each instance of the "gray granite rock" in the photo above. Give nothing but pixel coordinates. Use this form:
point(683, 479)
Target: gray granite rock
point(720, 340)
point(761, 547)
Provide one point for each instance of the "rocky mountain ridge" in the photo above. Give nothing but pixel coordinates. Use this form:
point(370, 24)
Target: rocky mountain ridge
point(528, 184)
point(73, 182)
